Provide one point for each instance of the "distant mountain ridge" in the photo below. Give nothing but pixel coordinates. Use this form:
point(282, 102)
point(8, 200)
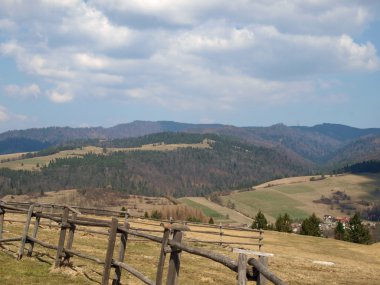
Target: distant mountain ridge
point(324, 144)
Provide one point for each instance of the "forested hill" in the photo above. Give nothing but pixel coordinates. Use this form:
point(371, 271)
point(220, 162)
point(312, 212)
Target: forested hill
point(227, 164)
point(325, 144)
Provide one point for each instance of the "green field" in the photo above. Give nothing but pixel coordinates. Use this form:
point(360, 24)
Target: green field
point(297, 198)
point(206, 210)
point(272, 203)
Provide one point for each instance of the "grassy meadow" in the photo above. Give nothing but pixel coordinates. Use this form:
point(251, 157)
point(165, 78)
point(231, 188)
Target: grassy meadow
point(292, 261)
point(296, 196)
point(206, 210)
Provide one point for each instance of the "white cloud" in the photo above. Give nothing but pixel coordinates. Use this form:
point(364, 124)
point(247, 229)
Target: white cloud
point(90, 61)
point(60, 97)
point(88, 23)
point(4, 116)
point(13, 90)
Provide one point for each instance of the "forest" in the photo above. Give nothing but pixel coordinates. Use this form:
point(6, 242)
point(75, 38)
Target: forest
point(228, 164)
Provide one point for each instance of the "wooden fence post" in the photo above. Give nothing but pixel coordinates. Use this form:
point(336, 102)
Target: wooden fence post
point(62, 236)
point(220, 233)
point(174, 262)
point(261, 280)
point(51, 213)
point(25, 233)
point(110, 249)
point(70, 240)
point(34, 235)
point(161, 261)
point(123, 246)
point(2, 213)
point(242, 269)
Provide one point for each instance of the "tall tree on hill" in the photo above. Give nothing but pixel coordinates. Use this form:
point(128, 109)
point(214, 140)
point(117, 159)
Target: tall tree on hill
point(310, 226)
point(260, 222)
point(339, 231)
point(357, 232)
point(284, 223)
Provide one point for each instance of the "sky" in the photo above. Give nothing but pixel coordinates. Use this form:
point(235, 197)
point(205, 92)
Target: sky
point(245, 63)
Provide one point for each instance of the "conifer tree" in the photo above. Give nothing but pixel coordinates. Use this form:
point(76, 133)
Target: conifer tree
point(357, 232)
point(310, 226)
point(339, 231)
point(260, 222)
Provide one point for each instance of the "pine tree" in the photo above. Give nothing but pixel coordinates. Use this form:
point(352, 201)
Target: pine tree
point(287, 223)
point(310, 226)
point(211, 221)
point(279, 223)
point(260, 222)
point(339, 231)
point(284, 223)
point(357, 232)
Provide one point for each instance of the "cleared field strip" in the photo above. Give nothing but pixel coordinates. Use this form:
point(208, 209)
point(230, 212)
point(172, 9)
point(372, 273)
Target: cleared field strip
point(36, 162)
point(206, 210)
point(233, 215)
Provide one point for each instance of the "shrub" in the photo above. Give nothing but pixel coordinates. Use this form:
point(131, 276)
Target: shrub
point(156, 215)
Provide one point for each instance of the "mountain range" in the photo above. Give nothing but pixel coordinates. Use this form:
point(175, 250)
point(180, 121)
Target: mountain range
point(324, 144)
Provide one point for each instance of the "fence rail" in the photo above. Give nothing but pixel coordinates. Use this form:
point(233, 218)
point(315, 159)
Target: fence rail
point(171, 243)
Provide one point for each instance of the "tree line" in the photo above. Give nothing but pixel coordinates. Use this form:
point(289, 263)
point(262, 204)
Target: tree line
point(355, 231)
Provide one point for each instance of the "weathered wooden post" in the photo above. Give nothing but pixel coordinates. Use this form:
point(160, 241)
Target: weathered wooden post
point(51, 214)
point(2, 213)
point(242, 269)
point(110, 249)
point(123, 246)
point(62, 237)
point(161, 261)
point(34, 235)
point(220, 233)
point(260, 239)
point(261, 280)
point(25, 233)
point(175, 255)
point(70, 240)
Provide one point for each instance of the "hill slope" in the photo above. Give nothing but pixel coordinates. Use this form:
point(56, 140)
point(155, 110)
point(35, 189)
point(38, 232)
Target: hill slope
point(186, 171)
point(338, 196)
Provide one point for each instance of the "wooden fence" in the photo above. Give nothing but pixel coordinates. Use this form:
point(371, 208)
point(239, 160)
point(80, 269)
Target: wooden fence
point(219, 232)
point(172, 243)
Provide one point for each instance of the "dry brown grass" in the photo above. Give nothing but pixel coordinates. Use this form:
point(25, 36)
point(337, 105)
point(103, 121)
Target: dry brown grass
point(292, 261)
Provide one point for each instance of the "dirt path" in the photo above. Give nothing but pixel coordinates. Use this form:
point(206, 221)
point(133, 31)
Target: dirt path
point(234, 215)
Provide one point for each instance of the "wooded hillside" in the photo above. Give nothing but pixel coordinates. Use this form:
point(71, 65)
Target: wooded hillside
point(186, 171)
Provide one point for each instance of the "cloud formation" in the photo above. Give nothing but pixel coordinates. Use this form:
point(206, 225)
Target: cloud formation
point(13, 90)
point(188, 55)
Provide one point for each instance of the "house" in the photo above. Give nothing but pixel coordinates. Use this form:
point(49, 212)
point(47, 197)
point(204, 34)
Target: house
point(328, 219)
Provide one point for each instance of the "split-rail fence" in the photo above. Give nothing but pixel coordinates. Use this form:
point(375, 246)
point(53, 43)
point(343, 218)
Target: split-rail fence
point(172, 242)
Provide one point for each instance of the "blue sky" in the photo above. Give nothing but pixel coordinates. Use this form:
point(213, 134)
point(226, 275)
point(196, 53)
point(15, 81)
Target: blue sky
point(246, 63)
